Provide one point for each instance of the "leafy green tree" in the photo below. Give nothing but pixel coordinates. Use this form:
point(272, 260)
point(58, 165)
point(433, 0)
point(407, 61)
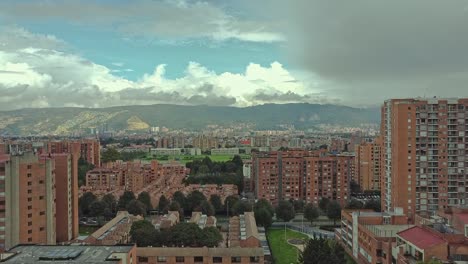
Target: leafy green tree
point(180, 198)
point(242, 206)
point(163, 204)
point(85, 200)
point(136, 207)
point(311, 212)
point(126, 197)
point(110, 154)
point(194, 200)
point(334, 211)
point(263, 203)
point(207, 208)
point(83, 168)
point(186, 235)
point(174, 206)
point(319, 251)
point(285, 211)
point(373, 204)
point(143, 233)
point(263, 217)
point(229, 203)
point(355, 187)
point(298, 205)
point(145, 198)
point(96, 208)
point(354, 204)
point(323, 204)
point(215, 200)
point(110, 201)
point(211, 237)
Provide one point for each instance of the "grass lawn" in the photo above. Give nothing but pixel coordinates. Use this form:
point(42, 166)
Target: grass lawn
point(87, 230)
point(283, 252)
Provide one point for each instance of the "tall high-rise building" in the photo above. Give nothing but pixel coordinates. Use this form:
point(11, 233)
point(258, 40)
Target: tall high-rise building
point(425, 143)
point(38, 198)
point(369, 169)
point(28, 199)
point(301, 175)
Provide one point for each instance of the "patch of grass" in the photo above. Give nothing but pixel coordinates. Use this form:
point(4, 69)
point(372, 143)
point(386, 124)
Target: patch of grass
point(283, 252)
point(87, 230)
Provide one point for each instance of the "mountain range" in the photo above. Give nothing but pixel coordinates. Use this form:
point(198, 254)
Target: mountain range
point(62, 121)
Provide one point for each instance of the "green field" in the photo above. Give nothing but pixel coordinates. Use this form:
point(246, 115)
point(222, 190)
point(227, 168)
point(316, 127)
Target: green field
point(283, 252)
point(187, 158)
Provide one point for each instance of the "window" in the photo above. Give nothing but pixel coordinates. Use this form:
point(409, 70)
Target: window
point(29, 199)
point(198, 259)
point(161, 259)
point(29, 215)
point(29, 183)
point(235, 259)
point(255, 259)
point(29, 239)
point(29, 167)
point(29, 175)
point(180, 259)
point(41, 197)
point(41, 229)
point(217, 260)
point(142, 259)
point(29, 223)
point(42, 213)
point(29, 231)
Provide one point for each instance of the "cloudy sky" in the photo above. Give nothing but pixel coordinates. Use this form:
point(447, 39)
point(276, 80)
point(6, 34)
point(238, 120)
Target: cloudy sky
point(238, 53)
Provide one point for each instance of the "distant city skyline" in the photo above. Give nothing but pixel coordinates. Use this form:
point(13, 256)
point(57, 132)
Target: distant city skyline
point(231, 53)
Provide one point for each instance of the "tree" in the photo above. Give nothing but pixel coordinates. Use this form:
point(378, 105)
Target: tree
point(285, 211)
point(126, 197)
point(354, 187)
point(186, 235)
point(174, 206)
point(207, 208)
point(96, 208)
point(110, 154)
point(318, 251)
point(373, 204)
point(109, 200)
point(323, 204)
point(85, 201)
point(263, 203)
point(83, 168)
point(334, 211)
point(179, 197)
point(215, 200)
point(211, 237)
point(263, 217)
point(241, 206)
point(194, 200)
point(136, 207)
point(229, 203)
point(145, 198)
point(311, 212)
point(298, 205)
point(163, 204)
point(354, 204)
point(142, 233)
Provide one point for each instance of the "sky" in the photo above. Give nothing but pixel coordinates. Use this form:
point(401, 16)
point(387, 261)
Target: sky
point(101, 53)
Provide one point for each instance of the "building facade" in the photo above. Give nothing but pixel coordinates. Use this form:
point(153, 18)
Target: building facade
point(369, 158)
point(425, 144)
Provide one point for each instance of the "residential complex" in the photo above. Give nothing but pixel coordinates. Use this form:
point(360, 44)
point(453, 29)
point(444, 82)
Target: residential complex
point(369, 169)
point(425, 144)
point(302, 175)
point(40, 198)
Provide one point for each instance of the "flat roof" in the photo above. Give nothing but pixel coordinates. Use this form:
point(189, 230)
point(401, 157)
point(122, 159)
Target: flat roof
point(65, 254)
point(420, 238)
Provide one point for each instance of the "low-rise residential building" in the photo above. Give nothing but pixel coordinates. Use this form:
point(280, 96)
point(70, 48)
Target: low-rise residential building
point(26, 254)
point(116, 231)
point(202, 220)
point(225, 151)
point(166, 221)
point(368, 236)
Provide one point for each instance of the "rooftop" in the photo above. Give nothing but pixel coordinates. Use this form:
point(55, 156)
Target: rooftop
point(66, 254)
point(420, 237)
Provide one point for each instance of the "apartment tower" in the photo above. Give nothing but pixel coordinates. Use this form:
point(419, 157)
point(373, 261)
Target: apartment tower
point(425, 146)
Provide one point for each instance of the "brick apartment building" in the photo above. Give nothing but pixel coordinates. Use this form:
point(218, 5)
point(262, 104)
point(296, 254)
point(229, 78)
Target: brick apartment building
point(299, 174)
point(89, 149)
point(39, 198)
point(369, 236)
point(369, 169)
point(426, 163)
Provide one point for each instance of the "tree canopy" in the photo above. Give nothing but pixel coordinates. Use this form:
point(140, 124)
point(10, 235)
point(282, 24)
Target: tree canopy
point(285, 211)
point(311, 212)
point(126, 197)
point(334, 211)
point(319, 251)
point(145, 198)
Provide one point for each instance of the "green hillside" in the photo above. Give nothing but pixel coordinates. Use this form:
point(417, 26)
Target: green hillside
point(133, 118)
